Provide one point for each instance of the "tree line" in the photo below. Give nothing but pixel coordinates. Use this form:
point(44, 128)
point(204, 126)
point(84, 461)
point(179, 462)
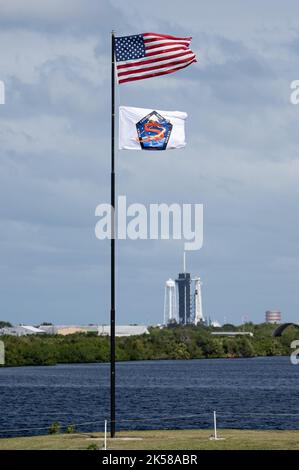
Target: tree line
point(175, 342)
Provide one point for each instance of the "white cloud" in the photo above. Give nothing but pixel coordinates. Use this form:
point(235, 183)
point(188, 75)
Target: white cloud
point(36, 10)
point(31, 51)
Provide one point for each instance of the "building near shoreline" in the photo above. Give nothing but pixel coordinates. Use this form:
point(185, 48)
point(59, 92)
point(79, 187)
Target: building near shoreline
point(123, 330)
point(232, 333)
point(21, 330)
point(64, 330)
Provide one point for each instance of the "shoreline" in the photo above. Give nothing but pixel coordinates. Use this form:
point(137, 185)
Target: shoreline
point(3, 366)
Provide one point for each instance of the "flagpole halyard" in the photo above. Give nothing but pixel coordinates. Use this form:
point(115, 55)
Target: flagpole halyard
point(112, 310)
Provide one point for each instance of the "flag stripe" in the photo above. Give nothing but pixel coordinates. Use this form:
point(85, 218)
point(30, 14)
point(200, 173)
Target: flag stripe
point(146, 41)
point(156, 56)
point(167, 43)
point(167, 56)
point(155, 67)
point(166, 51)
point(165, 67)
point(156, 74)
point(166, 36)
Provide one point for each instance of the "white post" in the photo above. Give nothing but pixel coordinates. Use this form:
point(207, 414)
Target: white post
point(215, 426)
point(105, 437)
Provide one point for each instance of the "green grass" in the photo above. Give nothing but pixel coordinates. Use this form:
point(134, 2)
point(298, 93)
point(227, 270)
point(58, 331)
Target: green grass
point(161, 440)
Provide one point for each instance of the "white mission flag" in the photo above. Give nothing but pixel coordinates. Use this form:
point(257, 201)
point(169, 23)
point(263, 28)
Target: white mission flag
point(151, 129)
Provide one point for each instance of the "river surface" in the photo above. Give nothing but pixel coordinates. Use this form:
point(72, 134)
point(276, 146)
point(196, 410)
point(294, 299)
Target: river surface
point(256, 393)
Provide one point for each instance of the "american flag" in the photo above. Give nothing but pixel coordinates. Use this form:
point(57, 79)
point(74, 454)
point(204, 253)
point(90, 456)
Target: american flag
point(149, 55)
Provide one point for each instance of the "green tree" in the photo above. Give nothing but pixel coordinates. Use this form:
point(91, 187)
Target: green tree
point(5, 324)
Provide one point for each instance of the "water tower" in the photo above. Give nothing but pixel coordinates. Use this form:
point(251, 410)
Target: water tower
point(170, 312)
point(273, 316)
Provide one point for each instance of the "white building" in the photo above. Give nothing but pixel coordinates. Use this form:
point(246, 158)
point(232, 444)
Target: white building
point(198, 315)
point(101, 330)
point(21, 330)
point(64, 330)
point(170, 307)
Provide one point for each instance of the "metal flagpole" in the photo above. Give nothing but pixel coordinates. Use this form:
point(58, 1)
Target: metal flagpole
point(112, 311)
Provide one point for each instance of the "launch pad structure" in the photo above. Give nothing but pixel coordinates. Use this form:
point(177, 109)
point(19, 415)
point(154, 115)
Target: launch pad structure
point(188, 309)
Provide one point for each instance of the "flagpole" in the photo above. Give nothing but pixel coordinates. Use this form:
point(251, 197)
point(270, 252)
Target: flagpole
point(112, 311)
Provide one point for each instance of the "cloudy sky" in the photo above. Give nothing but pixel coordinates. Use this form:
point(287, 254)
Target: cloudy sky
point(241, 162)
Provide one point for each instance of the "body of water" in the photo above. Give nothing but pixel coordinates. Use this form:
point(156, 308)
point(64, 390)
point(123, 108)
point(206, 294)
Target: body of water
point(256, 393)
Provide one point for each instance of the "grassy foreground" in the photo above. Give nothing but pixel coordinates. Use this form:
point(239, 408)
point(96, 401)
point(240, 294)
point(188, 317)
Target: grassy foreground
point(161, 440)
